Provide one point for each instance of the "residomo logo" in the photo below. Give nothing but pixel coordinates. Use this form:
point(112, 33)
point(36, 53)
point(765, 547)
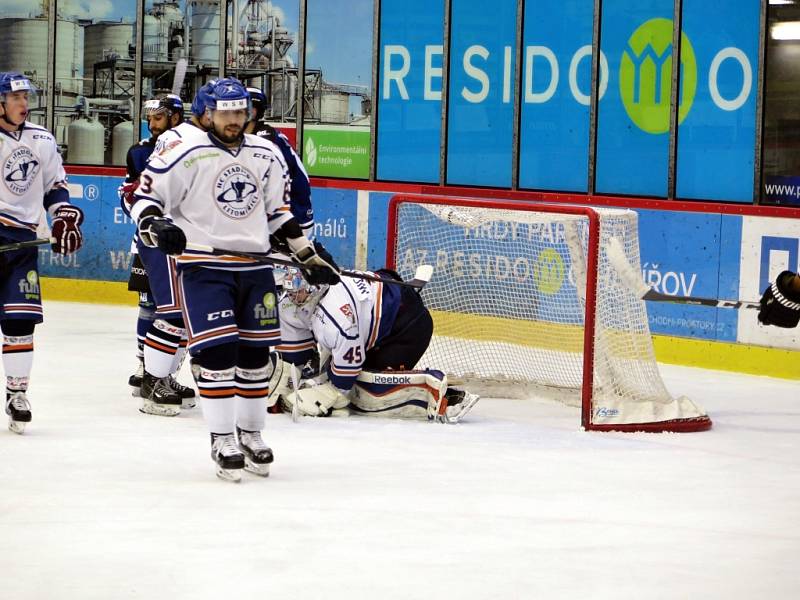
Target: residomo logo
point(548, 271)
point(645, 75)
point(311, 152)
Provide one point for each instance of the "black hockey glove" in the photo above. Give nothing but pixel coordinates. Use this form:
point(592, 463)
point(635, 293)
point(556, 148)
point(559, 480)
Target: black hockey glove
point(66, 229)
point(159, 232)
point(323, 269)
point(780, 304)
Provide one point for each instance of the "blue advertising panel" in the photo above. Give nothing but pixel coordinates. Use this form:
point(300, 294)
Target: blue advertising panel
point(633, 115)
point(691, 254)
point(410, 90)
point(481, 93)
point(556, 77)
point(335, 222)
point(105, 255)
point(720, 127)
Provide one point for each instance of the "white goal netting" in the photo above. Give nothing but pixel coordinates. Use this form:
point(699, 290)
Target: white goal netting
point(509, 297)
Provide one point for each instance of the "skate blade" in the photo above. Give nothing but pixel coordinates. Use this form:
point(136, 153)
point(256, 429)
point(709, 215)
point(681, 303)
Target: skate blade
point(17, 427)
point(232, 475)
point(461, 409)
point(159, 410)
point(262, 470)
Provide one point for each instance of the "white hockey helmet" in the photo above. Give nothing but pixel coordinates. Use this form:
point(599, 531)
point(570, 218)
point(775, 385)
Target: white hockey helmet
point(299, 291)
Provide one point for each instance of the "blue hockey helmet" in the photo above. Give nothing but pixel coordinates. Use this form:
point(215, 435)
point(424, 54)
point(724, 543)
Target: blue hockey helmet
point(15, 82)
point(202, 98)
point(229, 94)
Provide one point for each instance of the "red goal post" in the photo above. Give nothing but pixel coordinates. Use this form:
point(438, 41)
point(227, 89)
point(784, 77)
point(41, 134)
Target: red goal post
point(524, 298)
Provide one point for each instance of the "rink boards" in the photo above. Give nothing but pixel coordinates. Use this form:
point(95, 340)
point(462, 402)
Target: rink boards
point(705, 254)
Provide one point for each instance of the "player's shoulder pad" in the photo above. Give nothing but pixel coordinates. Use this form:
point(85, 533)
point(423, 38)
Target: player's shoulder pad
point(37, 132)
point(337, 306)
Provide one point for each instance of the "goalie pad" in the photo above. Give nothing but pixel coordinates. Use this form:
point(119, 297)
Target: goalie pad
point(403, 394)
point(316, 400)
point(278, 380)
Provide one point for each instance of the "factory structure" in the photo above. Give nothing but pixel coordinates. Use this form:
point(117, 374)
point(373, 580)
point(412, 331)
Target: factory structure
point(95, 69)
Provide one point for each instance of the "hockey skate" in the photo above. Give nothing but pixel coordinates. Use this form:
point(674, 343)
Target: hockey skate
point(459, 403)
point(257, 455)
point(158, 398)
point(228, 458)
point(135, 380)
point(186, 393)
point(18, 410)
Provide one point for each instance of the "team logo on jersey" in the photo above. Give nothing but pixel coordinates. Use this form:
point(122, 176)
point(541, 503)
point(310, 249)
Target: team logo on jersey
point(29, 286)
point(347, 311)
point(169, 146)
point(266, 312)
point(19, 170)
point(236, 191)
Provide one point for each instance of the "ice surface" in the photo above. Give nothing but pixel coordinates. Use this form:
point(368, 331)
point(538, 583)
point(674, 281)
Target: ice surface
point(98, 501)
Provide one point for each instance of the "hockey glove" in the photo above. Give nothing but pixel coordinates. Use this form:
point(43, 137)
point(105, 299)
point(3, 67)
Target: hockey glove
point(66, 229)
point(159, 232)
point(324, 270)
point(780, 304)
point(125, 193)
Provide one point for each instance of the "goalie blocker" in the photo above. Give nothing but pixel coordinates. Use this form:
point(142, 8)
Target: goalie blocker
point(418, 394)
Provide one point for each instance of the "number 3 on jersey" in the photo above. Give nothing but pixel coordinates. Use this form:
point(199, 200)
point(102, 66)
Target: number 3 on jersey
point(353, 355)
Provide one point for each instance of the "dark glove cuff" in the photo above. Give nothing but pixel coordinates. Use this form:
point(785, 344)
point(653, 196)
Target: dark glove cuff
point(150, 211)
point(783, 294)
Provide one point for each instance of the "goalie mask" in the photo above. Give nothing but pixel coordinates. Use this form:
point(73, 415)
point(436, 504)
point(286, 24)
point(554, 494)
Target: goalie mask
point(299, 291)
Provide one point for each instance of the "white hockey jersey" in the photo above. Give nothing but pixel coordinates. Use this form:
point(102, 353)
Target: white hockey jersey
point(350, 319)
point(33, 178)
point(221, 197)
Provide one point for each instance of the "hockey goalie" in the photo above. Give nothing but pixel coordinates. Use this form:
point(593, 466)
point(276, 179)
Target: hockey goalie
point(370, 336)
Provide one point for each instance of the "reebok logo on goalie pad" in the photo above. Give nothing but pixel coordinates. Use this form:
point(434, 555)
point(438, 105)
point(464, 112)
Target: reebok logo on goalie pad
point(392, 379)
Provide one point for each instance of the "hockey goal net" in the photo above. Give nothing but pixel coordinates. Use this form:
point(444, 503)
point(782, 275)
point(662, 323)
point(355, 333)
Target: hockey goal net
point(523, 296)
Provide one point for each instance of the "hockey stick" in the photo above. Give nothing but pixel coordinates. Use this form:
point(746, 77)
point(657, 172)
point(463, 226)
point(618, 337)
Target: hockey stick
point(28, 244)
point(421, 277)
point(180, 75)
point(634, 281)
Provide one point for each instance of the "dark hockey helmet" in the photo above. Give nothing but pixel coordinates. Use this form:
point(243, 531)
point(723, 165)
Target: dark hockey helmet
point(258, 99)
point(171, 104)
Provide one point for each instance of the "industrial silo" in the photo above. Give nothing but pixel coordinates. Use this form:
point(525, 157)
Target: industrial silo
point(86, 144)
point(204, 34)
point(155, 40)
point(102, 41)
point(334, 106)
point(25, 42)
point(121, 141)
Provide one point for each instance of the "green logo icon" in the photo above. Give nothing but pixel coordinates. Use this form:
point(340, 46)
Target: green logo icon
point(311, 152)
point(548, 271)
point(645, 76)
point(32, 277)
point(269, 300)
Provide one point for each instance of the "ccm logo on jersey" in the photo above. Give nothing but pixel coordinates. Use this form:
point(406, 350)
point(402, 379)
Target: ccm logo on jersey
point(392, 379)
point(220, 314)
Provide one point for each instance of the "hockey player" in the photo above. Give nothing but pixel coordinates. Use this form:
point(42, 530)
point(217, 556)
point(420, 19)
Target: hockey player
point(34, 178)
point(780, 304)
point(373, 333)
point(226, 189)
point(160, 356)
point(300, 192)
